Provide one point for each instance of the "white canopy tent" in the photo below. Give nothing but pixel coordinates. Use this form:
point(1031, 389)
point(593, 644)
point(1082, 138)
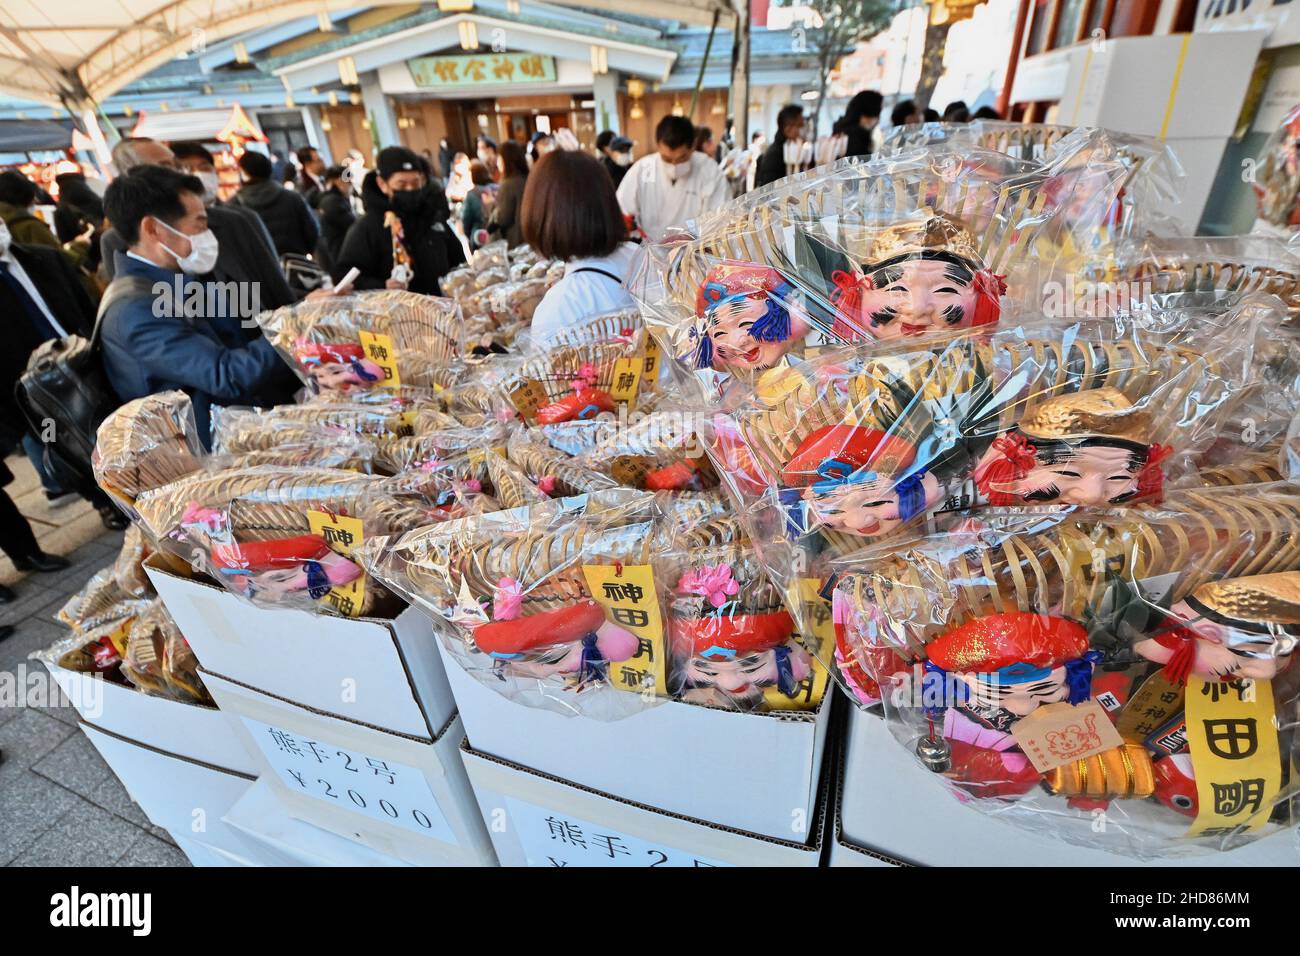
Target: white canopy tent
point(74, 53)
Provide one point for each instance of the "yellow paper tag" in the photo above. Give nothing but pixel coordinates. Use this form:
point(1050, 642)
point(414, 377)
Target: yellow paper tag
point(1061, 733)
point(1232, 737)
point(1151, 705)
point(627, 376)
point(379, 349)
point(627, 593)
point(821, 644)
point(651, 367)
point(342, 534)
point(119, 635)
point(528, 398)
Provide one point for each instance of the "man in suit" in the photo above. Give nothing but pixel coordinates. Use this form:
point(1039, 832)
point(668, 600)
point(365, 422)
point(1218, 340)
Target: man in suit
point(311, 178)
point(150, 344)
point(246, 253)
point(40, 294)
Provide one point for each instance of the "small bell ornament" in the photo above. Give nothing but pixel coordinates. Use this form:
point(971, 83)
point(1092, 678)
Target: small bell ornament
point(934, 753)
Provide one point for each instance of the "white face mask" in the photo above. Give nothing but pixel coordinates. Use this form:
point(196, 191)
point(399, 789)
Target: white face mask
point(209, 181)
point(623, 159)
point(5, 238)
point(677, 171)
point(203, 252)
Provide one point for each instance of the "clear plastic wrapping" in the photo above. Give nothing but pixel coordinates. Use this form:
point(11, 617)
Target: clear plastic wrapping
point(1277, 176)
point(381, 338)
point(1153, 176)
point(145, 444)
point(280, 536)
point(157, 659)
point(1121, 679)
point(1141, 268)
point(923, 243)
point(553, 605)
point(844, 451)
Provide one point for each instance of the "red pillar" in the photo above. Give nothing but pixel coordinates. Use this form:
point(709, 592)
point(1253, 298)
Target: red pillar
point(1017, 42)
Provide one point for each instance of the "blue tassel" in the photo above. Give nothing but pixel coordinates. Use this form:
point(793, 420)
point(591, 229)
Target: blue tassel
point(591, 667)
point(318, 583)
point(774, 326)
point(1078, 676)
point(785, 681)
point(911, 496)
point(704, 354)
point(932, 687)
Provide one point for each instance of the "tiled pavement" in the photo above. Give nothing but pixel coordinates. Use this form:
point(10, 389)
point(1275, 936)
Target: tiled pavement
point(60, 804)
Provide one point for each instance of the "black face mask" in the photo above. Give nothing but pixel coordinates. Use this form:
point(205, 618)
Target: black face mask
point(407, 201)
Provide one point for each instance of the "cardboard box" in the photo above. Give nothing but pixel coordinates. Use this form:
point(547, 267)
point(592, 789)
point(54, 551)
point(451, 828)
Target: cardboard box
point(194, 731)
point(1172, 86)
point(540, 820)
point(1200, 158)
point(263, 818)
point(401, 795)
point(678, 757)
point(386, 673)
point(184, 796)
point(893, 806)
point(200, 854)
point(840, 851)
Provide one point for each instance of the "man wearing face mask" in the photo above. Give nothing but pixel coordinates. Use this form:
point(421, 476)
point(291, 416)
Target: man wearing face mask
point(403, 241)
point(617, 158)
point(673, 185)
point(150, 344)
point(246, 253)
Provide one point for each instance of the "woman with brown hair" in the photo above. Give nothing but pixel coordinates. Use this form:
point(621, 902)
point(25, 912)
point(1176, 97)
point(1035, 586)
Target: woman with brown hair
point(478, 205)
point(510, 194)
point(570, 213)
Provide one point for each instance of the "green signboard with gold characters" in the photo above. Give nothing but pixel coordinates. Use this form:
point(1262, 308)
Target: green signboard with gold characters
point(482, 69)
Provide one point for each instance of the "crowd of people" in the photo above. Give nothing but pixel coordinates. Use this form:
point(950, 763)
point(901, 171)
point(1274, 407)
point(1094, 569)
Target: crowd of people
point(405, 223)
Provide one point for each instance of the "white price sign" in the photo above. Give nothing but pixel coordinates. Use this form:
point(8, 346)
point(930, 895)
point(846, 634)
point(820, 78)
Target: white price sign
point(553, 838)
point(373, 787)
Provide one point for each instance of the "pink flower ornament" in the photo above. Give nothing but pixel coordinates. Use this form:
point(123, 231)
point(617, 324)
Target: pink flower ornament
point(712, 581)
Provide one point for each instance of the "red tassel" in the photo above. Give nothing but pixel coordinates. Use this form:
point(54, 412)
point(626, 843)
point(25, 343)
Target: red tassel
point(1183, 643)
point(846, 297)
point(989, 289)
point(1151, 479)
point(1014, 456)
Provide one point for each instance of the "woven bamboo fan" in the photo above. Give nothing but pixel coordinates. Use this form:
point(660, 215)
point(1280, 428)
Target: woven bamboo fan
point(424, 330)
point(553, 471)
point(510, 486)
point(543, 550)
point(145, 444)
point(1198, 535)
point(620, 326)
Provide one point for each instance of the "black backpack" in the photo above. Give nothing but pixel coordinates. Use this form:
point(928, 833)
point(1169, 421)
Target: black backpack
point(65, 394)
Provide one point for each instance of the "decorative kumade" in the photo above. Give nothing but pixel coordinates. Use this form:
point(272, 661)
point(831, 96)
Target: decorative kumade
point(554, 605)
point(926, 242)
point(382, 338)
point(1050, 667)
point(145, 444)
point(280, 536)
